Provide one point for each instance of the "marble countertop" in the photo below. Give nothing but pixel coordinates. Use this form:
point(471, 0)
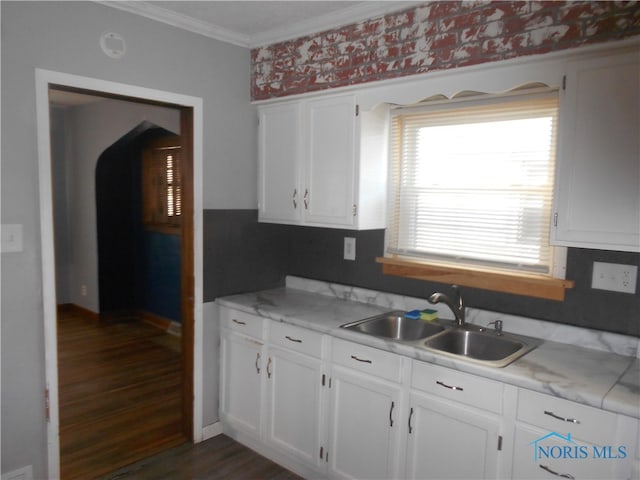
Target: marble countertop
point(589, 376)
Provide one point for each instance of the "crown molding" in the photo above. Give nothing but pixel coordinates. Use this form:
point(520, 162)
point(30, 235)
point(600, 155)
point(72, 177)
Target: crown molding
point(329, 21)
point(179, 20)
point(348, 16)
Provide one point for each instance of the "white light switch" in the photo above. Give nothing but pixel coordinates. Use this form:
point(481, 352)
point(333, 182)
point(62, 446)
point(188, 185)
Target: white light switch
point(614, 277)
point(11, 238)
point(349, 248)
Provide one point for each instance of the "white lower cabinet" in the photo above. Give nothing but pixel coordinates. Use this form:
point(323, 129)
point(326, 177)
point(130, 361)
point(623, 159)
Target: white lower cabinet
point(447, 438)
point(326, 407)
point(556, 438)
point(241, 382)
point(271, 389)
point(561, 458)
point(364, 425)
point(365, 413)
point(448, 441)
point(294, 401)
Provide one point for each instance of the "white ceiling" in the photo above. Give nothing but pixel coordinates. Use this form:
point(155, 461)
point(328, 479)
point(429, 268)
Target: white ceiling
point(257, 23)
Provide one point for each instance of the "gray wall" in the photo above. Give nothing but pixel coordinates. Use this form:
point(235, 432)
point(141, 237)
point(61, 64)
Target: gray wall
point(64, 37)
point(317, 253)
point(242, 255)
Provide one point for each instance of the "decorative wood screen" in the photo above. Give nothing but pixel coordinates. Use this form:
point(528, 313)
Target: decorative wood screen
point(162, 184)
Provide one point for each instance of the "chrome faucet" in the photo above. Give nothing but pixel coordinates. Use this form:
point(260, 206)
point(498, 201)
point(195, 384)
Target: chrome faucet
point(457, 306)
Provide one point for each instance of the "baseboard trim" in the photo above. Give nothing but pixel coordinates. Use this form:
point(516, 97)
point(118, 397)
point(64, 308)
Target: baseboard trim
point(169, 326)
point(73, 308)
point(164, 324)
point(211, 431)
point(24, 473)
point(282, 459)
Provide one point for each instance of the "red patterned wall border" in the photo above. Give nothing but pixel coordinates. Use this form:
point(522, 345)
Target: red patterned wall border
point(435, 36)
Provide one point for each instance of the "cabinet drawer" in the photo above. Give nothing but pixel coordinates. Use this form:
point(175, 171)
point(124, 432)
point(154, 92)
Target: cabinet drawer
point(460, 387)
point(296, 338)
point(241, 322)
point(366, 359)
point(530, 460)
point(559, 415)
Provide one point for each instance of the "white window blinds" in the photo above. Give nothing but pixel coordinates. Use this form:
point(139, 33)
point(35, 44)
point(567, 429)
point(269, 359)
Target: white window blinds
point(471, 182)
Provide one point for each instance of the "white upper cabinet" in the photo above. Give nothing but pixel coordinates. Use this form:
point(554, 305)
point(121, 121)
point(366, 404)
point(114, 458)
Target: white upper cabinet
point(322, 163)
point(598, 175)
point(329, 195)
point(279, 163)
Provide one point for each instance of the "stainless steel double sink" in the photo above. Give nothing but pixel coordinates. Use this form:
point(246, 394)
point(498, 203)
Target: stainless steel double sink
point(468, 342)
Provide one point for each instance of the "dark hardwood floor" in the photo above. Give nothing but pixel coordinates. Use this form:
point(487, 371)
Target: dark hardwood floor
point(218, 458)
point(120, 394)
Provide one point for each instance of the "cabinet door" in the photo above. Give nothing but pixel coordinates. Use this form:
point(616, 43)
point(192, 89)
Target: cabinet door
point(598, 174)
point(540, 454)
point(330, 169)
point(364, 425)
point(279, 158)
point(294, 384)
point(241, 376)
point(450, 441)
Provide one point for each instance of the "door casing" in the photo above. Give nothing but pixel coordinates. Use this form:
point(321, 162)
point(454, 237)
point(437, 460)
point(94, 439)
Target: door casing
point(192, 296)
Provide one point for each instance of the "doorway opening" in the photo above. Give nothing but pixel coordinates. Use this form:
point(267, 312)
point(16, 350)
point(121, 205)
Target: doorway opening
point(189, 111)
point(119, 368)
point(138, 217)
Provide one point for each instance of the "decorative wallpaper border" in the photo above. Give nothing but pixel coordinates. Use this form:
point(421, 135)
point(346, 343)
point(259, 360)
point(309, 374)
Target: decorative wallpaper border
point(433, 36)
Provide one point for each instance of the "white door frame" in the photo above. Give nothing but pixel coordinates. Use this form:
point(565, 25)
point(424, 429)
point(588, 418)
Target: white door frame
point(44, 78)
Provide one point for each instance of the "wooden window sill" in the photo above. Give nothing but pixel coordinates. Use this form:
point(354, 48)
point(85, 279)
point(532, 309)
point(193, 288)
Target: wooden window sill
point(519, 284)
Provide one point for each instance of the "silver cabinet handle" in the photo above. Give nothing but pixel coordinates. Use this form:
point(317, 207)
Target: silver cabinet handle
point(391, 414)
point(558, 417)
point(410, 415)
point(442, 384)
point(306, 198)
point(295, 196)
point(238, 322)
point(269, 368)
point(257, 360)
point(360, 359)
point(563, 475)
point(293, 339)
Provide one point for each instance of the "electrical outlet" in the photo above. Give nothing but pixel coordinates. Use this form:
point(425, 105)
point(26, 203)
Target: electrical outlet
point(614, 277)
point(349, 248)
point(83, 290)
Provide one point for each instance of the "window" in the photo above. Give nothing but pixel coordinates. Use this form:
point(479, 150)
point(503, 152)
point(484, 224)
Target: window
point(162, 186)
point(471, 183)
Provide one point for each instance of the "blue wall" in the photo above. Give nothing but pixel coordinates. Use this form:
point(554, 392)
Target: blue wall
point(161, 275)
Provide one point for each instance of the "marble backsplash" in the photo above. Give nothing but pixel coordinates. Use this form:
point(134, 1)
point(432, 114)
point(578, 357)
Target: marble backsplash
point(557, 332)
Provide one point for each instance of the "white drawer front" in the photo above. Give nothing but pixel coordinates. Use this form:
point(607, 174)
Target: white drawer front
point(295, 338)
point(242, 322)
point(366, 359)
point(557, 458)
point(460, 387)
point(563, 416)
